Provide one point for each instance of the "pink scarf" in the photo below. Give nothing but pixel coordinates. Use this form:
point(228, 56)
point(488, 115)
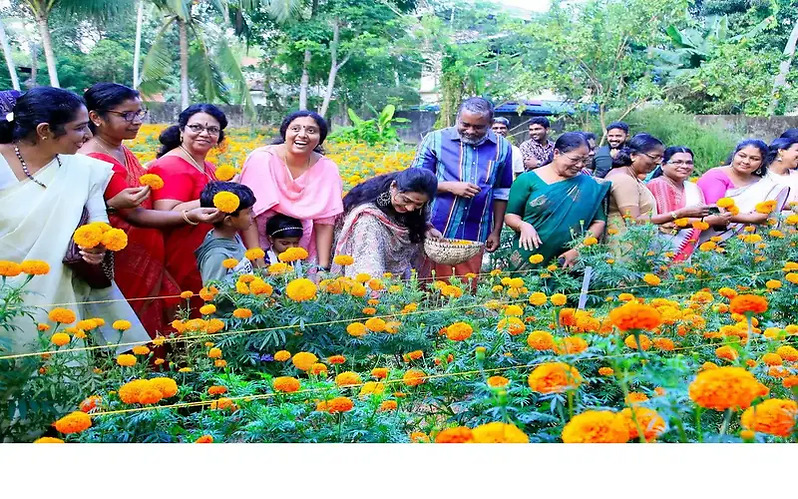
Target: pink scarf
point(314, 195)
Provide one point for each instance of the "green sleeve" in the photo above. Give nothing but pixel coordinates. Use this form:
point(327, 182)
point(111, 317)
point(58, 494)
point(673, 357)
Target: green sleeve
point(211, 268)
point(519, 194)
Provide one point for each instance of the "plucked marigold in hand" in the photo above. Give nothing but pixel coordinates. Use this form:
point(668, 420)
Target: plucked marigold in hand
point(596, 427)
point(300, 290)
point(743, 304)
point(152, 180)
point(88, 235)
point(726, 388)
point(285, 384)
point(226, 201)
point(649, 421)
point(114, 240)
point(498, 433)
point(456, 435)
point(772, 416)
point(414, 377)
point(459, 331)
point(74, 422)
point(554, 377)
point(633, 315)
point(304, 360)
point(540, 340)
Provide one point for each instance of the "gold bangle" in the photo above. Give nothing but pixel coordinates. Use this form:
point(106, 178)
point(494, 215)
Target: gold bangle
point(188, 221)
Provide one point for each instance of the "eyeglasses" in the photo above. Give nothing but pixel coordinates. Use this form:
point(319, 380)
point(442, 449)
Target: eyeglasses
point(197, 128)
point(680, 163)
point(131, 116)
point(657, 158)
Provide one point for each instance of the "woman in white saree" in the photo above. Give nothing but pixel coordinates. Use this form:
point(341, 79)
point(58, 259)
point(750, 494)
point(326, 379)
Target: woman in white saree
point(44, 187)
point(783, 165)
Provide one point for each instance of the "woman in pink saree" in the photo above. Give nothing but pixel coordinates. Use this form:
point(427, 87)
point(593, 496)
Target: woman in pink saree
point(295, 179)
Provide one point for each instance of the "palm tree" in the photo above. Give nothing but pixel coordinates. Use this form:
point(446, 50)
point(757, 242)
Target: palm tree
point(41, 10)
point(12, 70)
point(204, 64)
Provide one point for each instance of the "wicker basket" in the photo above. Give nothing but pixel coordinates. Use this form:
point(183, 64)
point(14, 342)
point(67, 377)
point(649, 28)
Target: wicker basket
point(451, 251)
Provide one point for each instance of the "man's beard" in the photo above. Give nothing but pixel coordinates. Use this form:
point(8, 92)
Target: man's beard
point(472, 142)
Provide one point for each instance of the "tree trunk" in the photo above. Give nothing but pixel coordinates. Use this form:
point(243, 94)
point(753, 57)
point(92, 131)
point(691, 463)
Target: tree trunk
point(137, 50)
point(334, 67)
point(34, 67)
point(12, 69)
point(184, 100)
point(47, 44)
point(784, 68)
point(304, 82)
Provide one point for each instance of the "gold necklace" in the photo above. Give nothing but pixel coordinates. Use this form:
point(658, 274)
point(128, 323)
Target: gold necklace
point(194, 162)
point(102, 143)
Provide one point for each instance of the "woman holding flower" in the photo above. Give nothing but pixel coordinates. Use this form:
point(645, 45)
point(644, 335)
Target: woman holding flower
point(680, 202)
point(294, 178)
point(385, 223)
point(744, 187)
point(44, 189)
point(549, 206)
point(116, 114)
point(185, 172)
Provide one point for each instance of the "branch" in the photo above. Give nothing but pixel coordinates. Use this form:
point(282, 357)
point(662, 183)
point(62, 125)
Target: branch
point(346, 59)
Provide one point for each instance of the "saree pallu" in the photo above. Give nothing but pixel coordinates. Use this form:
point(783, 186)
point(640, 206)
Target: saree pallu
point(670, 199)
point(139, 269)
point(559, 212)
point(376, 243)
point(37, 223)
point(746, 198)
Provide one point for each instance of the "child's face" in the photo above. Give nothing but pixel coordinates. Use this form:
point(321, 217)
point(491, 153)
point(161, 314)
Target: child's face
point(280, 244)
point(242, 221)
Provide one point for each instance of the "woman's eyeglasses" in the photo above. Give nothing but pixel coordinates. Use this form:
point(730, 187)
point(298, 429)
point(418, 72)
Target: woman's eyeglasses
point(197, 128)
point(131, 116)
point(681, 163)
point(657, 158)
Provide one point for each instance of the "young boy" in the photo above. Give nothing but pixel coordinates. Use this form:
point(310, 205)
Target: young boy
point(223, 241)
point(283, 232)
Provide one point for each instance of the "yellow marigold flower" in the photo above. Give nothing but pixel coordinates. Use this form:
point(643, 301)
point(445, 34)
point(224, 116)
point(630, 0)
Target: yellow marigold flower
point(347, 378)
point(74, 422)
point(48, 440)
point(752, 238)
point(226, 202)
point(254, 254)
point(60, 339)
point(167, 386)
point(114, 240)
point(208, 309)
point(356, 329)
point(540, 340)
point(414, 377)
point(126, 360)
point(590, 427)
point(242, 313)
point(370, 388)
point(681, 222)
point(700, 225)
point(606, 371)
point(184, 370)
point(498, 433)
point(590, 241)
point(153, 181)
point(293, 254)
point(225, 173)
point(571, 345)
point(726, 388)
point(725, 203)
point(186, 295)
point(121, 325)
point(9, 269)
point(535, 259)
point(631, 342)
point(62, 316)
point(558, 299)
point(513, 325)
point(497, 381)
point(285, 384)
point(776, 233)
point(788, 353)
point(554, 377)
point(35, 267)
point(513, 310)
point(537, 299)
point(765, 207)
point(388, 405)
point(229, 263)
point(86, 324)
point(304, 360)
point(282, 355)
point(772, 416)
point(215, 353)
point(141, 350)
point(88, 236)
point(652, 280)
point(648, 420)
point(375, 324)
point(300, 290)
point(633, 315)
point(459, 331)
point(456, 435)
point(380, 372)
point(343, 260)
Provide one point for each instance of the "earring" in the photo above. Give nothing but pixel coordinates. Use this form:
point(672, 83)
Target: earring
point(383, 200)
point(779, 159)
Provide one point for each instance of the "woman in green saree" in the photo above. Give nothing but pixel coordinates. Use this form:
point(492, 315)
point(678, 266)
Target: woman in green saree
point(554, 204)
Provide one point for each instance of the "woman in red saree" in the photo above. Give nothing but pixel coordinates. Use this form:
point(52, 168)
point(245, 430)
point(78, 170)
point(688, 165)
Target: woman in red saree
point(115, 115)
point(182, 166)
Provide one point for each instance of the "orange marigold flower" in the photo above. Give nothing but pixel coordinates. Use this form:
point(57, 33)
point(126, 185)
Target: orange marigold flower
point(414, 377)
point(652, 280)
point(635, 398)
point(537, 299)
point(664, 344)
point(336, 359)
point(205, 439)
point(606, 371)
point(90, 403)
point(540, 340)
point(126, 360)
point(772, 416)
point(743, 304)
point(558, 299)
point(167, 386)
point(60, 339)
point(631, 342)
point(633, 315)
point(498, 433)
point(772, 359)
point(217, 390)
point(293, 254)
point(596, 427)
point(215, 353)
point(497, 381)
point(343, 260)
point(242, 313)
point(648, 420)
point(114, 240)
point(318, 368)
point(380, 372)
point(48, 440)
point(304, 360)
point(121, 325)
point(339, 404)
point(285, 384)
point(35, 267)
point(459, 331)
point(74, 422)
point(788, 353)
point(300, 290)
point(10, 269)
point(456, 435)
point(554, 377)
point(282, 355)
point(726, 388)
point(790, 381)
point(571, 345)
point(415, 355)
point(347, 378)
point(356, 329)
point(388, 405)
point(375, 324)
point(62, 316)
point(726, 352)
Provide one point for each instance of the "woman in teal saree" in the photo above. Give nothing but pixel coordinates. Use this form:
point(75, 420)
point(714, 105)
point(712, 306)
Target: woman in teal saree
point(554, 204)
